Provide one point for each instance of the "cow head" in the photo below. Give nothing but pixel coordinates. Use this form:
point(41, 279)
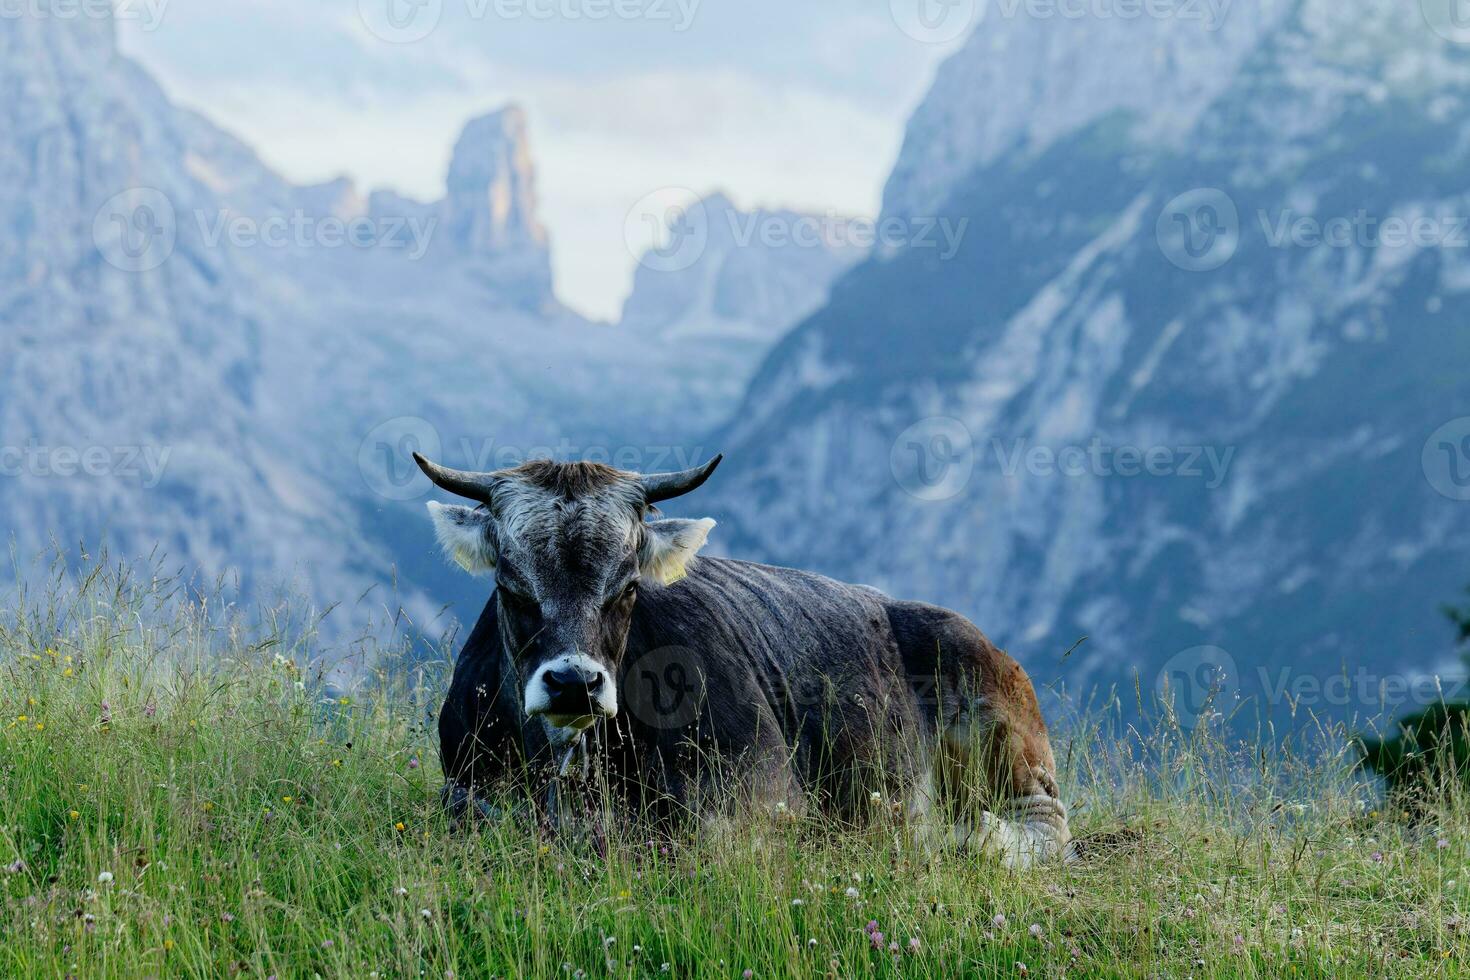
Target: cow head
point(568, 544)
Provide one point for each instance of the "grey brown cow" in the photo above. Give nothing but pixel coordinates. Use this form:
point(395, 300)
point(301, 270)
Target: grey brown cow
point(698, 684)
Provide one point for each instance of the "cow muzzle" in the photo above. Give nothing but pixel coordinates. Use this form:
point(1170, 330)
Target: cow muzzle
point(571, 691)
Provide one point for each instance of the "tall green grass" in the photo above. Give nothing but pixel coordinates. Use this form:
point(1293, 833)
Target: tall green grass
point(180, 797)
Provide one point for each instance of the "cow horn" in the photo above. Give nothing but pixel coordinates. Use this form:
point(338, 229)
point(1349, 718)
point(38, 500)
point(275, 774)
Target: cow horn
point(666, 486)
point(475, 486)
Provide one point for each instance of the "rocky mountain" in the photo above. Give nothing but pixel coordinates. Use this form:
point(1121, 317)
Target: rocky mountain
point(1023, 82)
point(733, 273)
point(728, 283)
point(130, 359)
point(1194, 384)
point(200, 358)
point(488, 215)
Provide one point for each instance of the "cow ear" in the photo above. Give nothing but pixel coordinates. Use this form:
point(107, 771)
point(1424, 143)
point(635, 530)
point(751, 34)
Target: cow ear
point(669, 546)
point(465, 535)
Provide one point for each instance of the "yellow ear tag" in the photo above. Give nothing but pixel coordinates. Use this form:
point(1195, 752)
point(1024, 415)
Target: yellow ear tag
point(462, 559)
point(675, 575)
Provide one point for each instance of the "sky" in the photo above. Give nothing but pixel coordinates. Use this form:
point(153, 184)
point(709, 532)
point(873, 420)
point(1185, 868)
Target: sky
point(775, 102)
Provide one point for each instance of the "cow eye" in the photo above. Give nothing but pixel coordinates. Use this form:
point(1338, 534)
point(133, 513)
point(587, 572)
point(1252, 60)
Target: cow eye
point(623, 594)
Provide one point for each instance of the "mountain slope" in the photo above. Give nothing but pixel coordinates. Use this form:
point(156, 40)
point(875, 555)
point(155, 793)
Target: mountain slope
point(129, 367)
point(964, 431)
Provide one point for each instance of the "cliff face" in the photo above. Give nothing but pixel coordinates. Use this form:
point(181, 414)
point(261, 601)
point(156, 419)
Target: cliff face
point(488, 215)
point(129, 360)
point(725, 287)
point(1022, 82)
point(1143, 402)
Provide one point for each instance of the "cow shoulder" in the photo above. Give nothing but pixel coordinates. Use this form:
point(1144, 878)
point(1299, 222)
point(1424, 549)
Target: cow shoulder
point(791, 609)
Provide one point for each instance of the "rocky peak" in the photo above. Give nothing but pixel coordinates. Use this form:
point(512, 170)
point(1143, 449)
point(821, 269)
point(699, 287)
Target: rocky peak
point(337, 198)
point(728, 271)
point(490, 204)
point(488, 216)
point(1022, 81)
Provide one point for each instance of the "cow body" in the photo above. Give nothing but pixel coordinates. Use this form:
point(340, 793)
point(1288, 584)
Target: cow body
point(748, 684)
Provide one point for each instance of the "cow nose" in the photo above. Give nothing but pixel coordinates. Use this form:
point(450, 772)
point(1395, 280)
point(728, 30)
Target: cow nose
point(572, 690)
point(573, 680)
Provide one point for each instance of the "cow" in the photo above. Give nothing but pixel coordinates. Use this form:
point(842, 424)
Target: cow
point(701, 685)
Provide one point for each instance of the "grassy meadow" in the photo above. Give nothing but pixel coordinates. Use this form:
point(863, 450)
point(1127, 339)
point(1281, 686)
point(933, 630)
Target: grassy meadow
point(178, 797)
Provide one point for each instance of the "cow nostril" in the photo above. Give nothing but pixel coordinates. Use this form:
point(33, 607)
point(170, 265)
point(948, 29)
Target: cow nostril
point(560, 680)
point(572, 679)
